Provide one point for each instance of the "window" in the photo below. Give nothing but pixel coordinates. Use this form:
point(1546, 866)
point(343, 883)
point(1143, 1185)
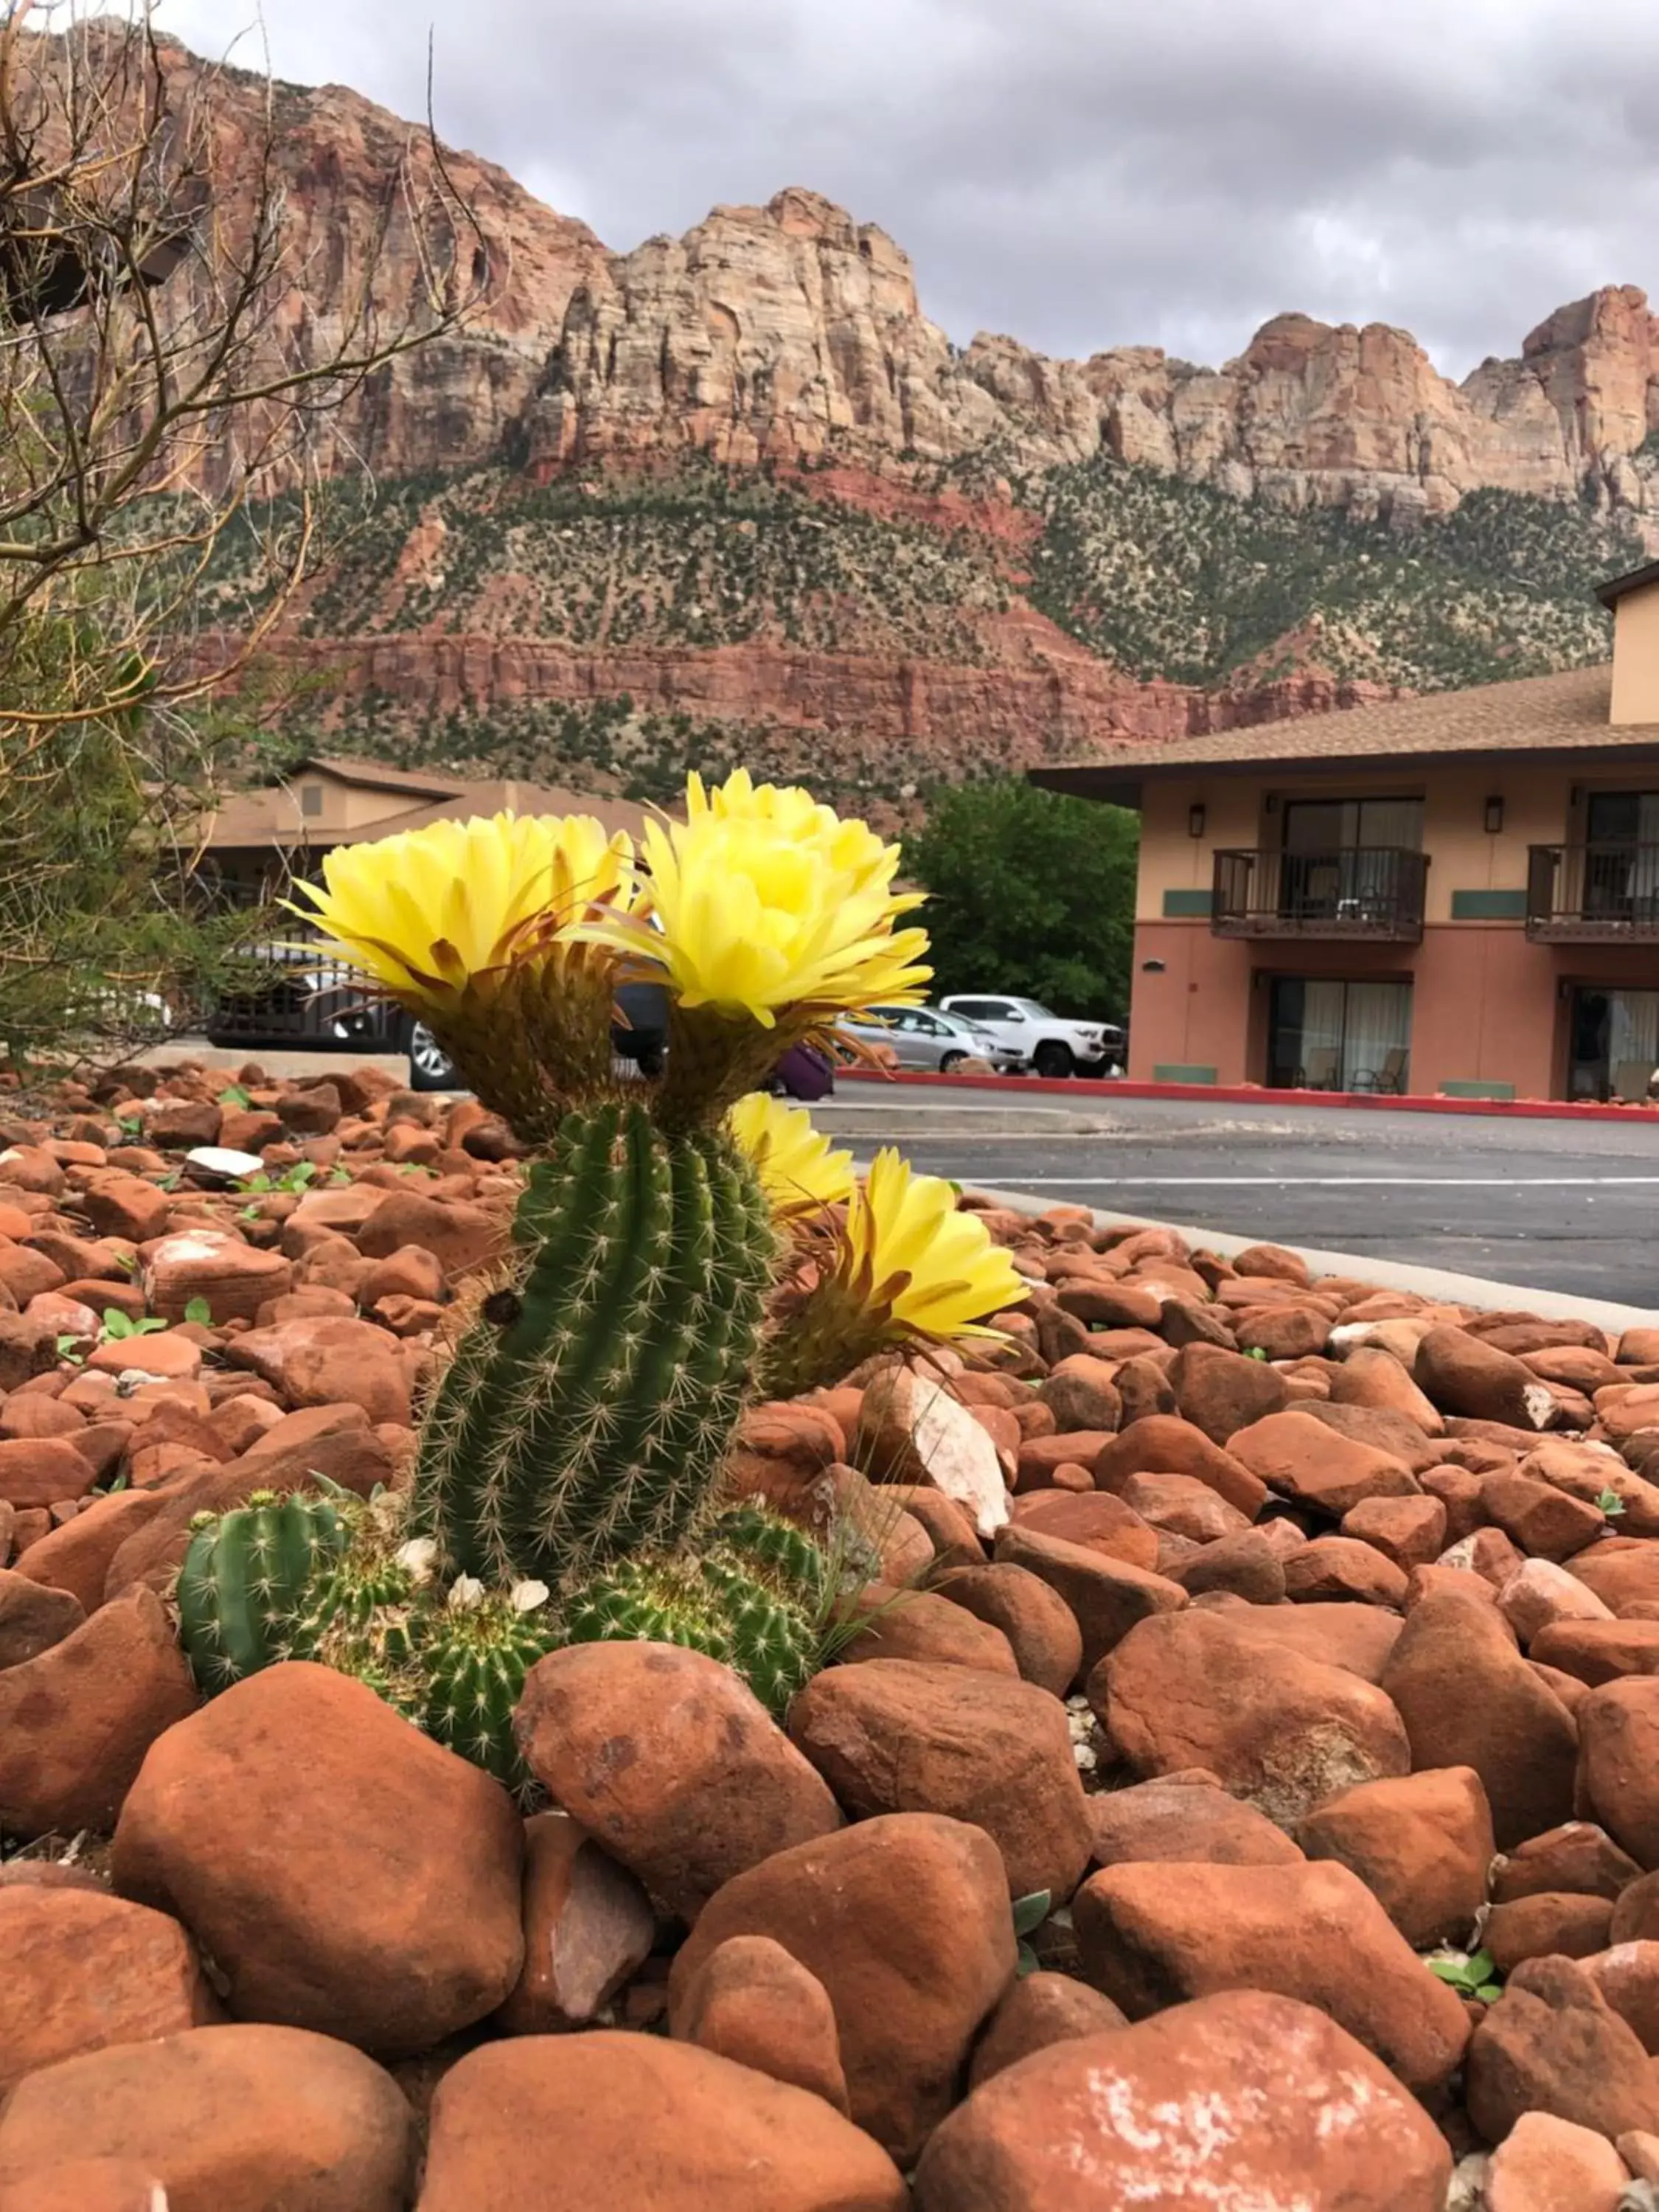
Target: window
point(981, 1009)
point(1343, 825)
point(1621, 860)
point(1615, 1043)
point(1328, 1035)
point(310, 799)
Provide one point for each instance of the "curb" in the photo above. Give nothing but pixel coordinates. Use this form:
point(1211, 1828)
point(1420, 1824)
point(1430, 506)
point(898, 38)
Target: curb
point(1245, 1094)
point(1435, 1283)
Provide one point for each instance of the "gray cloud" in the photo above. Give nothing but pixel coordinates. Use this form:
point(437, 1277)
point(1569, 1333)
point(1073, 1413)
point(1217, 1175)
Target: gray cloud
point(1080, 172)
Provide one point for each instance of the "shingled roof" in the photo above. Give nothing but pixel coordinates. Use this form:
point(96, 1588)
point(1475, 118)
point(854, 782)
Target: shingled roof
point(1566, 713)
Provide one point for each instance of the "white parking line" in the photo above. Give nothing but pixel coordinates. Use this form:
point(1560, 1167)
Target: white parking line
point(1340, 1182)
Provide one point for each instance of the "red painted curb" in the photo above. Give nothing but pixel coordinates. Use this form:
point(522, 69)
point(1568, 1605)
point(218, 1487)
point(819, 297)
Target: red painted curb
point(1524, 1109)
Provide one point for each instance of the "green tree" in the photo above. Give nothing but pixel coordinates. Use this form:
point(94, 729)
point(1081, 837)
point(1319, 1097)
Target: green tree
point(1029, 892)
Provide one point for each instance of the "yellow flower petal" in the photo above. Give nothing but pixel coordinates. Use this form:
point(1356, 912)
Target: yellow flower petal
point(798, 1171)
point(906, 1228)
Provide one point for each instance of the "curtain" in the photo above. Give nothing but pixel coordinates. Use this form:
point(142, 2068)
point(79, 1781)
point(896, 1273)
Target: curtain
point(1632, 1041)
point(1391, 822)
point(1377, 1023)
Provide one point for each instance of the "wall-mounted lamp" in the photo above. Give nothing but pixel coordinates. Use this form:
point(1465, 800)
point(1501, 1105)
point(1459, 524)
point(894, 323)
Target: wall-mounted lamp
point(1494, 816)
point(1152, 967)
point(1195, 820)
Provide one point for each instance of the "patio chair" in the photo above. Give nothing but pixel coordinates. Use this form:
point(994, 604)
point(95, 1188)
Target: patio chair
point(1631, 1077)
point(1386, 1079)
point(1320, 1070)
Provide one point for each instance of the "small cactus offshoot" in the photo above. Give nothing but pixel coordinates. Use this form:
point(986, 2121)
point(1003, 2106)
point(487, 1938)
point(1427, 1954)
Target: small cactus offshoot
point(243, 1573)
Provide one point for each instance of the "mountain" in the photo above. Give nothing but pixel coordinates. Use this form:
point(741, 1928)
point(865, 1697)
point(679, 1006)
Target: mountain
point(733, 494)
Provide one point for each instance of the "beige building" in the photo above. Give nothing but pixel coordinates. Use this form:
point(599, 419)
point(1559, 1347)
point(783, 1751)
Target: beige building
point(259, 838)
point(1456, 894)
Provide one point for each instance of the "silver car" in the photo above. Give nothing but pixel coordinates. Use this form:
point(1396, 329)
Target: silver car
point(922, 1037)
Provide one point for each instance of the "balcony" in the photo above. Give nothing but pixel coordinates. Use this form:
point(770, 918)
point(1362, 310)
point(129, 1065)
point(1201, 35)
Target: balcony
point(1593, 894)
point(1370, 892)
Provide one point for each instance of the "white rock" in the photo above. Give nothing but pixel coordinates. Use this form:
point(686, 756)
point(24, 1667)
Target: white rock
point(959, 1456)
point(223, 1164)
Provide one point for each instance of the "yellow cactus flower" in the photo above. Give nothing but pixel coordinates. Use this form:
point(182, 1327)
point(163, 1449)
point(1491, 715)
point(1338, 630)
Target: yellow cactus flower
point(798, 1170)
point(905, 1266)
point(911, 1252)
point(429, 910)
point(766, 907)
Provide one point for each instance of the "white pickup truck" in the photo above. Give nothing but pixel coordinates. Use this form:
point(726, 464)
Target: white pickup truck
point(1051, 1044)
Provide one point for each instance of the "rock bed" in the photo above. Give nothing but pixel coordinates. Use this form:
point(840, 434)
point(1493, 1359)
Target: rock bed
point(1286, 1634)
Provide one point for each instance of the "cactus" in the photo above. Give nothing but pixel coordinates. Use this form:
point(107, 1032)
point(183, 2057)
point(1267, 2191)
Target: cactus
point(752, 1600)
point(586, 1413)
point(243, 1573)
point(473, 1664)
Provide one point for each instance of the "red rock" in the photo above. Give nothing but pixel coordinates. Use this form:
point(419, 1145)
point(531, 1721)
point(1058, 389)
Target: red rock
point(1546, 2165)
point(1039, 2011)
point(1628, 1977)
point(327, 1363)
point(1302, 1459)
point(751, 2001)
point(169, 1356)
point(1283, 1333)
point(1107, 1304)
point(1540, 1594)
point(904, 1919)
point(897, 1736)
point(1358, 1638)
point(921, 1624)
point(1577, 1856)
point(1244, 2098)
point(782, 1452)
point(1410, 1531)
point(1338, 1569)
point(1541, 1520)
point(671, 1762)
point(588, 1926)
point(1380, 1428)
point(240, 2119)
point(1144, 1391)
point(84, 1969)
point(1040, 1455)
point(338, 1866)
point(949, 1530)
point(1421, 1843)
point(1221, 1392)
point(1468, 1699)
point(76, 1723)
point(1186, 1817)
point(1162, 1443)
point(1553, 2044)
point(1547, 1924)
point(1276, 1729)
point(1182, 1505)
point(1095, 1519)
point(33, 1617)
point(1080, 1393)
point(1488, 1554)
point(1619, 1573)
point(1149, 1937)
point(234, 1278)
point(410, 1271)
point(30, 1414)
point(121, 1205)
point(1107, 1595)
point(645, 2125)
point(1635, 1913)
point(1463, 1376)
point(24, 1274)
point(30, 1167)
point(1040, 1627)
point(1246, 1566)
point(87, 2185)
point(460, 1236)
point(39, 1470)
point(1598, 1651)
point(1618, 1780)
point(1372, 1376)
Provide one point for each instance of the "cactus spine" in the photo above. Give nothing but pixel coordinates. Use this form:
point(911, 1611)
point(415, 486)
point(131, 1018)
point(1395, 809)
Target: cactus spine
point(243, 1574)
point(590, 1422)
point(474, 1665)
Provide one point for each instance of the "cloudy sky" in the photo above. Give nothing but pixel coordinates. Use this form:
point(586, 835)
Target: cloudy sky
point(1080, 172)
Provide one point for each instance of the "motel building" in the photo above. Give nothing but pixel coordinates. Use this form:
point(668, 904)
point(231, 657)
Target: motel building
point(1452, 895)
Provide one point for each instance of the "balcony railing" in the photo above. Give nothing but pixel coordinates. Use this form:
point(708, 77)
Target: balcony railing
point(1372, 891)
point(1594, 894)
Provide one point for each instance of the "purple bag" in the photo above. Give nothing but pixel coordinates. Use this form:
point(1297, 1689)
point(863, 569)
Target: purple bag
point(805, 1074)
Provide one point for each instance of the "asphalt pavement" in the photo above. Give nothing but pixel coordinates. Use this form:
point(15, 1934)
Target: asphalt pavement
point(1564, 1206)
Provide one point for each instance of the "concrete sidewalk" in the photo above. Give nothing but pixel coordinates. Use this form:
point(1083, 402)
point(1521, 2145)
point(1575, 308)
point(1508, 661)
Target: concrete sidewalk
point(1389, 1274)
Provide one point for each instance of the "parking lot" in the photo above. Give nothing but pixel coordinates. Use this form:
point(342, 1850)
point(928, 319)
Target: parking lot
point(1560, 1205)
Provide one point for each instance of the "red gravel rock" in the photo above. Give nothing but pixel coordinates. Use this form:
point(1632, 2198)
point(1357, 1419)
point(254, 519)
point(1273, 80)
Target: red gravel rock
point(75, 1722)
point(1547, 2165)
point(1339, 1568)
point(644, 2124)
point(1548, 1924)
point(1618, 1782)
point(1553, 2044)
point(904, 1919)
point(343, 1871)
point(897, 1736)
point(1276, 1729)
point(1163, 1444)
point(919, 1625)
point(1040, 1627)
point(671, 1762)
point(1094, 1518)
point(39, 1470)
point(1108, 1597)
point(230, 2119)
point(1247, 2097)
point(1186, 1817)
point(1577, 1856)
point(1039, 2011)
point(34, 1618)
point(84, 1969)
point(750, 2000)
point(1421, 1843)
point(1304, 1460)
point(1222, 1392)
point(588, 1926)
point(1468, 1699)
point(1410, 1531)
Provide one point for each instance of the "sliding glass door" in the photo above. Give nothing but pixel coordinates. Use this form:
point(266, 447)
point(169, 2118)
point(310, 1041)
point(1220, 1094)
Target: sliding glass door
point(1325, 1034)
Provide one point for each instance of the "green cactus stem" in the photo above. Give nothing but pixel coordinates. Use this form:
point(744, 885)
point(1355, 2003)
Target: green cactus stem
point(586, 1412)
point(473, 1664)
point(244, 1574)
